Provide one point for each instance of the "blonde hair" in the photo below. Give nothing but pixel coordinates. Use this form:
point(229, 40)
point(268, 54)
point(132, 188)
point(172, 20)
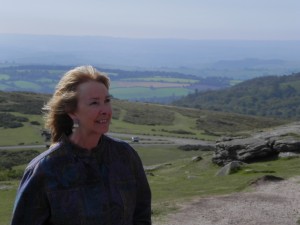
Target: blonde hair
point(64, 99)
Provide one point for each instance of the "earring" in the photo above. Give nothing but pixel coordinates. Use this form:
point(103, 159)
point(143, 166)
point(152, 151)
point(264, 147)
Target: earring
point(75, 125)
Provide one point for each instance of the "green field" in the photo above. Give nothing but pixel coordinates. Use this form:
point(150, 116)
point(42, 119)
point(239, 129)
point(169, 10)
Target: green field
point(4, 77)
point(147, 92)
point(28, 85)
point(164, 79)
point(28, 134)
point(7, 196)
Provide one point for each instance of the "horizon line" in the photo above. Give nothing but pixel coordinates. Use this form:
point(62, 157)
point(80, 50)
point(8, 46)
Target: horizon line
point(145, 38)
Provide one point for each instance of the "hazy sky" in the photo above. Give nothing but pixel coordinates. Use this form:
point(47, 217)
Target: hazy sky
point(189, 19)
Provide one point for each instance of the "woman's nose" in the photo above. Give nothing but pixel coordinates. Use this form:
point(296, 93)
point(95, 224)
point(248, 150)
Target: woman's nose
point(105, 110)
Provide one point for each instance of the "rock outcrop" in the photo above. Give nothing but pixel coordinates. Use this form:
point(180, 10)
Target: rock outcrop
point(230, 168)
point(260, 146)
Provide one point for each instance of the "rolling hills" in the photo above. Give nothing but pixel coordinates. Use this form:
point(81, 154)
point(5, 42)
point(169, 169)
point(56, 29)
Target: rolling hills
point(270, 96)
point(128, 117)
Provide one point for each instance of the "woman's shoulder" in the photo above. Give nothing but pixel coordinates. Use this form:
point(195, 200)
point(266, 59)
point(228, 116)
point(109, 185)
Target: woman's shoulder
point(119, 147)
point(115, 142)
point(46, 156)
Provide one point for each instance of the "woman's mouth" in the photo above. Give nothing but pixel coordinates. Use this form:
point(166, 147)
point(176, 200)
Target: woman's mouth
point(102, 121)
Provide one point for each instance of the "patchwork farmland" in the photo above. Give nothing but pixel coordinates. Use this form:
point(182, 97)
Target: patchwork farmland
point(149, 86)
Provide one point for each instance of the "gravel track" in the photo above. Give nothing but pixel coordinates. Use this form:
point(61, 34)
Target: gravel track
point(270, 203)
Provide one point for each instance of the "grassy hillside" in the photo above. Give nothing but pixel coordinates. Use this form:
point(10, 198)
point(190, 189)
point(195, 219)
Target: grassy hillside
point(272, 96)
point(22, 120)
point(177, 180)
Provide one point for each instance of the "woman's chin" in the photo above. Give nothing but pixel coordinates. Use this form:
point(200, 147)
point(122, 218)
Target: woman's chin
point(103, 130)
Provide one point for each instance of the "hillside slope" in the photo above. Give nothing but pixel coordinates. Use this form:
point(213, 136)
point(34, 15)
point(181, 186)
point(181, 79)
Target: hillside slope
point(271, 96)
point(23, 111)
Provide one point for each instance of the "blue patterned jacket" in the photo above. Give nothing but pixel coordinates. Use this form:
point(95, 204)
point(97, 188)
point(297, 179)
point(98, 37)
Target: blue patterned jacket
point(67, 185)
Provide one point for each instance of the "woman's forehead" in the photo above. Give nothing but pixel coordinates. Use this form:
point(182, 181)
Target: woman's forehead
point(92, 89)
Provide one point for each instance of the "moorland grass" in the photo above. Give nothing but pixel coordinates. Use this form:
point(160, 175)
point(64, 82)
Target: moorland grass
point(180, 179)
point(160, 154)
point(151, 119)
point(26, 135)
point(186, 123)
point(145, 92)
point(184, 180)
point(7, 196)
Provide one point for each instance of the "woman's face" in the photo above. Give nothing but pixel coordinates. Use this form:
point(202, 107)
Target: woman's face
point(94, 110)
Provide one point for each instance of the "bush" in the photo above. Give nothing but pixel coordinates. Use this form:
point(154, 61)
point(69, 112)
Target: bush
point(9, 159)
point(8, 120)
point(10, 174)
point(195, 148)
point(35, 123)
point(180, 131)
point(150, 116)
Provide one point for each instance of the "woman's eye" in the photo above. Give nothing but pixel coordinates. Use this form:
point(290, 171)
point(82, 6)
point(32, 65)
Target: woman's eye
point(107, 100)
point(94, 103)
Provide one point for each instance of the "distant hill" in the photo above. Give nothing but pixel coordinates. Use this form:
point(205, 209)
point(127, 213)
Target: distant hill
point(198, 57)
point(270, 96)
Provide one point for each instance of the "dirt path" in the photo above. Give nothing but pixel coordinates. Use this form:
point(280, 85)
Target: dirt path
point(271, 203)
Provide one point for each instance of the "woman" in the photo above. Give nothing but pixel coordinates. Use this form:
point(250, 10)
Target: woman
point(85, 177)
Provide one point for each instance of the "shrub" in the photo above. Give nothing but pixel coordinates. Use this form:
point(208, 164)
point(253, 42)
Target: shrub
point(8, 159)
point(10, 174)
point(35, 123)
point(8, 120)
point(195, 148)
point(180, 131)
point(149, 116)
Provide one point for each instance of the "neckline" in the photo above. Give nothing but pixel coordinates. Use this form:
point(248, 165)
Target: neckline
point(81, 151)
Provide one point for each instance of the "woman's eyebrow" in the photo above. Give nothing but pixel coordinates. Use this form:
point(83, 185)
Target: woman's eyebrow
point(97, 98)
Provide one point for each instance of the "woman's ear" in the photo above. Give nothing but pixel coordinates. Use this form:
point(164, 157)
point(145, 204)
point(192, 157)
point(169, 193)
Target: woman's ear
point(71, 111)
point(72, 116)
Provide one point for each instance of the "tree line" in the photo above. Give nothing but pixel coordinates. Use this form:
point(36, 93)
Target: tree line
point(270, 96)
